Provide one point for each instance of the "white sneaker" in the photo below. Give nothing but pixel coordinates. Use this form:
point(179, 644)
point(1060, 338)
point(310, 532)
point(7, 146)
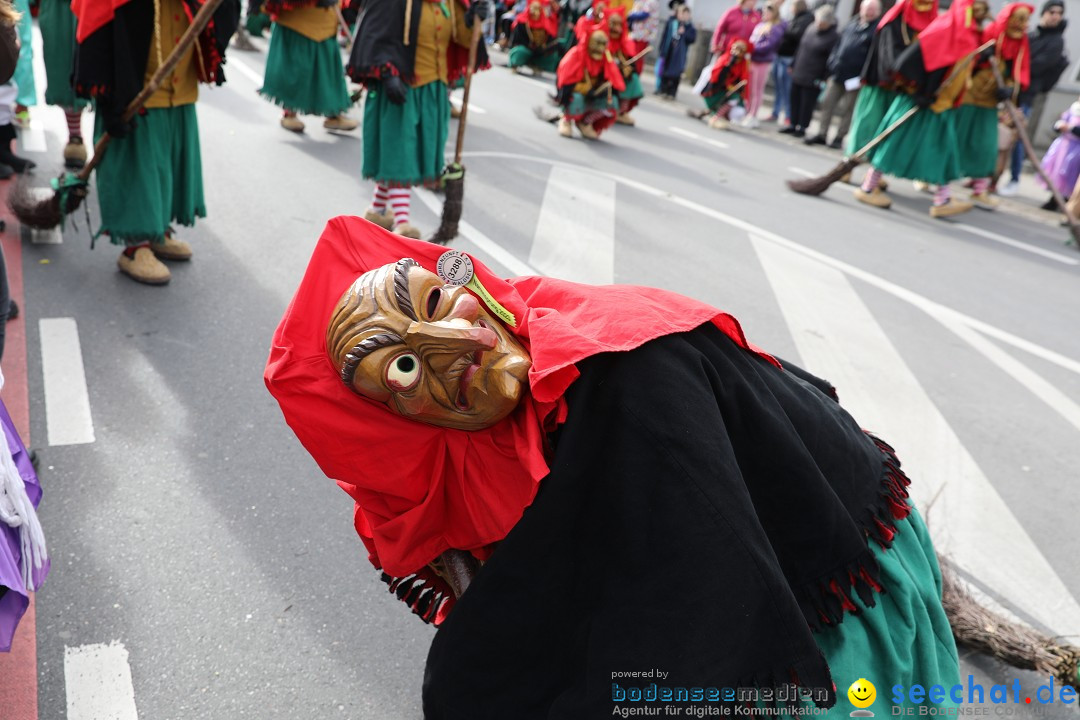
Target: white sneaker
point(1009, 189)
point(750, 122)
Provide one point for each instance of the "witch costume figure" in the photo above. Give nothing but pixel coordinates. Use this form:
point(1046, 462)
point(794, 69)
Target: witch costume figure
point(622, 47)
point(642, 485)
point(407, 54)
point(589, 82)
point(727, 86)
point(534, 38)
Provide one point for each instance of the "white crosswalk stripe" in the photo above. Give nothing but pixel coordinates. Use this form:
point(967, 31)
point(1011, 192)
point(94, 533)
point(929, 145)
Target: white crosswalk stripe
point(98, 681)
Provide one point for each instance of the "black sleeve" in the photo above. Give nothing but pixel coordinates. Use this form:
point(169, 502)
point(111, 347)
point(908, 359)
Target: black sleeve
point(379, 49)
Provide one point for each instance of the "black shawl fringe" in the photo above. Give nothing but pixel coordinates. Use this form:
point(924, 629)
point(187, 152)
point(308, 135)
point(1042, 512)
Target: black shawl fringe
point(427, 595)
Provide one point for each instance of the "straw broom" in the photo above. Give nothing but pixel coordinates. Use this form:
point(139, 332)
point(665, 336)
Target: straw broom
point(1016, 645)
point(1025, 140)
point(69, 190)
point(818, 185)
point(453, 179)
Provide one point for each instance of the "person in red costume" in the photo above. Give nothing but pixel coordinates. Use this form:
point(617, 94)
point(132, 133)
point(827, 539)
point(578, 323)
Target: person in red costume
point(534, 38)
point(589, 82)
point(622, 47)
point(977, 118)
point(640, 483)
point(728, 83)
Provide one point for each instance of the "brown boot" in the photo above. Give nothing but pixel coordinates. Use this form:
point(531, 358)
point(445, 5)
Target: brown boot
point(952, 207)
point(626, 119)
point(875, 197)
point(588, 131)
point(144, 267)
point(74, 153)
point(564, 127)
point(171, 248)
point(290, 122)
point(406, 230)
point(341, 122)
point(383, 219)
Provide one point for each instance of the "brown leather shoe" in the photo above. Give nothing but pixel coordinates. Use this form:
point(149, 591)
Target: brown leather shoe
point(144, 267)
point(292, 123)
point(341, 122)
point(875, 197)
point(406, 230)
point(171, 249)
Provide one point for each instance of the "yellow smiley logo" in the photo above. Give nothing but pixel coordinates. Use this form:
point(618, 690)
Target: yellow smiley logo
point(862, 693)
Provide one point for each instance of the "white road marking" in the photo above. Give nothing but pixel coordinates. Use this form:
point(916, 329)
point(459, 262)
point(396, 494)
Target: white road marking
point(236, 63)
point(479, 239)
point(575, 233)
point(67, 402)
point(838, 337)
point(472, 108)
point(695, 136)
point(1058, 257)
point(800, 171)
point(98, 680)
point(934, 309)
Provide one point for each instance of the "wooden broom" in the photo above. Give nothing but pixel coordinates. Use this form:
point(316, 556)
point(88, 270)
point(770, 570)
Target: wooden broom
point(69, 190)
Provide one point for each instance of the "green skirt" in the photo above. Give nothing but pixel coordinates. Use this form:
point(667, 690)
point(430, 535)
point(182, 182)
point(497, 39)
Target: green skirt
point(257, 23)
point(404, 145)
point(303, 75)
point(633, 89)
point(152, 177)
point(905, 639)
point(57, 24)
point(923, 148)
point(870, 108)
point(24, 68)
point(977, 133)
point(523, 56)
point(721, 97)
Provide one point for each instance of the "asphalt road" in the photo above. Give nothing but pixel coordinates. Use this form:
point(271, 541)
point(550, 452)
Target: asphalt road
point(195, 531)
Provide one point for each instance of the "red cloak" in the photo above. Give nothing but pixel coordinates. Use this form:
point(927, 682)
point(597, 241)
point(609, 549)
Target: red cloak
point(576, 62)
point(739, 71)
point(420, 489)
point(1014, 50)
point(915, 20)
point(93, 15)
point(548, 22)
point(950, 37)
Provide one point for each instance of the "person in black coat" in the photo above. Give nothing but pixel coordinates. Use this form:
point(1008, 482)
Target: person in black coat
point(785, 56)
point(845, 64)
point(679, 34)
point(810, 69)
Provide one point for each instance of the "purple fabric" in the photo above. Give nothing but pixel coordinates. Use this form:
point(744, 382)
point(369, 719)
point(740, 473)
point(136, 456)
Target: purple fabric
point(766, 41)
point(1062, 161)
point(15, 599)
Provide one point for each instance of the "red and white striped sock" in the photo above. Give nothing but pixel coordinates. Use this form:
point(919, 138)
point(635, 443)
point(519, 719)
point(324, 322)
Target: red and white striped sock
point(873, 177)
point(942, 194)
point(980, 185)
point(399, 203)
point(74, 123)
point(380, 198)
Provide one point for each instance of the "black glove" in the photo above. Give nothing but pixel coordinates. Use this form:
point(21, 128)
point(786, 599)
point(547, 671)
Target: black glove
point(477, 9)
point(394, 89)
point(113, 119)
point(1076, 131)
point(923, 100)
point(565, 95)
point(1004, 93)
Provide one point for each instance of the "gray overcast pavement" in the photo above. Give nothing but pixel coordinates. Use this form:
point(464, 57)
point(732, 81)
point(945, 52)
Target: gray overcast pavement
point(196, 530)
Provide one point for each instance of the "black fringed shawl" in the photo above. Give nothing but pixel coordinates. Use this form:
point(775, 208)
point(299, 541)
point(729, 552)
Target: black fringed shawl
point(380, 49)
point(704, 514)
point(110, 64)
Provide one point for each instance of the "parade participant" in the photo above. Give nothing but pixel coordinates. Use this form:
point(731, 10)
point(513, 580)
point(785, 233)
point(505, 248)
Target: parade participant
point(1062, 161)
point(57, 24)
point(151, 175)
point(977, 116)
point(589, 81)
point(640, 481)
point(933, 74)
point(621, 47)
point(534, 38)
point(644, 22)
point(728, 80)
point(304, 73)
point(897, 29)
point(408, 53)
point(679, 34)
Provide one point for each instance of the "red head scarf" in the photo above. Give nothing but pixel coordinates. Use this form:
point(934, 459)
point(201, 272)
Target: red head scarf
point(950, 37)
point(576, 62)
point(624, 44)
point(421, 489)
point(739, 71)
point(548, 21)
point(915, 20)
point(1014, 50)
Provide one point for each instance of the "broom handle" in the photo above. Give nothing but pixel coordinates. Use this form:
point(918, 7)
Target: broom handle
point(476, 30)
point(643, 53)
point(1025, 140)
point(959, 67)
point(198, 23)
point(344, 25)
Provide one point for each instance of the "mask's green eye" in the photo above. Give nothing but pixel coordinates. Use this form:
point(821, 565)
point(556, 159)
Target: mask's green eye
point(403, 372)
